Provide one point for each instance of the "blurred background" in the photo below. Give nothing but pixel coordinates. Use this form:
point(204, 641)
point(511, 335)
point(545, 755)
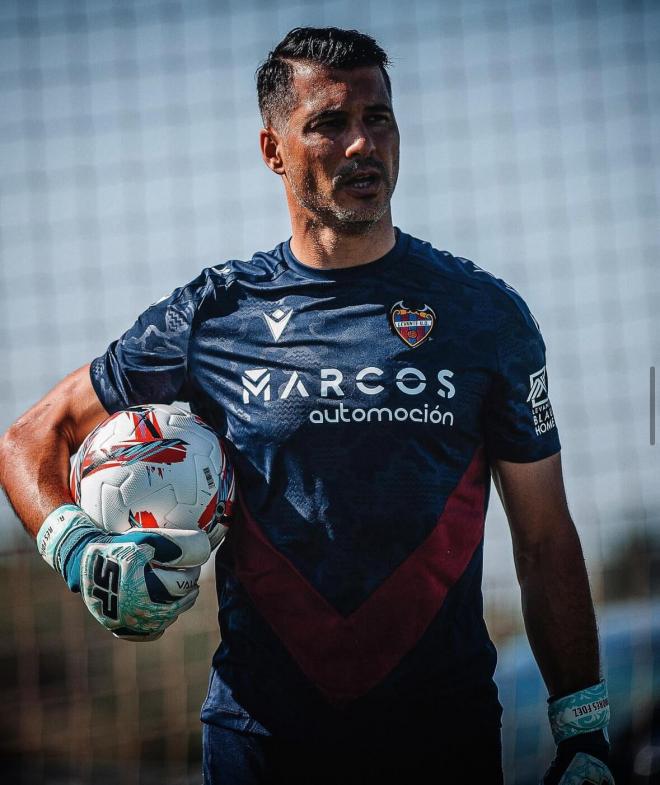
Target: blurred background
point(129, 161)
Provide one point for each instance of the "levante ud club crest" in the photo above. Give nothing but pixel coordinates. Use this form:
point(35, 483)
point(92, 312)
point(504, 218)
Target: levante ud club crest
point(412, 325)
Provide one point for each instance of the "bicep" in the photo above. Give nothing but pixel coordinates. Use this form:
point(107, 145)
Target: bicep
point(534, 499)
point(84, 411)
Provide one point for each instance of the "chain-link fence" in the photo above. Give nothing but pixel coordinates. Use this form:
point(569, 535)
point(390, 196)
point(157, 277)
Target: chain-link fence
point(129, 161)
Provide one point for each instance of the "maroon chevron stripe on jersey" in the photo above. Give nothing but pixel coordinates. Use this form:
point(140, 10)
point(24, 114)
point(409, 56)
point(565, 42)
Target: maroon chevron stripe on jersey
point(347, 656)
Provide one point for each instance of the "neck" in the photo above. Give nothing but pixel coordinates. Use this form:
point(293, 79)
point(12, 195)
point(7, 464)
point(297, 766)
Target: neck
point(326, 247)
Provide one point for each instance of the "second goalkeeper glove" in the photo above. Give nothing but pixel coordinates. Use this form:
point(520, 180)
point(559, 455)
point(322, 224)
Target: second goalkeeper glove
point(579, 726)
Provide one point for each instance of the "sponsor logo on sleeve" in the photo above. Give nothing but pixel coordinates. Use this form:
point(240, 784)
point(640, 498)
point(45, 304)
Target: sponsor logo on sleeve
point(544, 419)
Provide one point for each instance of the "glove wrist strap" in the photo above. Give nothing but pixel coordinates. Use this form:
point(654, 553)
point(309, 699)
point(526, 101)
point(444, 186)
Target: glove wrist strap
point(63, 532)
point(580, 712)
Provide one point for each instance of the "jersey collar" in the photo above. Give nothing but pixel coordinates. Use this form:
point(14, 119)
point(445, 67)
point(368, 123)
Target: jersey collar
point(367, 270)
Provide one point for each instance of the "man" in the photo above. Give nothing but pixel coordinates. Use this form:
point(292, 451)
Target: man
point(366, 385)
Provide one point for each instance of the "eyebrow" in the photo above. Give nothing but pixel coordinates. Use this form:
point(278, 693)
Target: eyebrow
point(333, 112)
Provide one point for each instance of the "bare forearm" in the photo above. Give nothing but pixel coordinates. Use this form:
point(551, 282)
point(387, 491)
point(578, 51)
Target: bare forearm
point(558, 612)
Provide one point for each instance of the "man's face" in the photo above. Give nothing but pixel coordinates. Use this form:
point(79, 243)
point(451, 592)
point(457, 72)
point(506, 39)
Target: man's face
point(340, 148)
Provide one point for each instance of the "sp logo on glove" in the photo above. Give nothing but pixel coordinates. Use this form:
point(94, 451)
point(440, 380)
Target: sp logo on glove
point(106, 585)
point(135, 584)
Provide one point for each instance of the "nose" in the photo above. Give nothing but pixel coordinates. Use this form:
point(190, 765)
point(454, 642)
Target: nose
point(360, 142)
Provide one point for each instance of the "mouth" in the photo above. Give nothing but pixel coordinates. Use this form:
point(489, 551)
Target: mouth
point(363, 184)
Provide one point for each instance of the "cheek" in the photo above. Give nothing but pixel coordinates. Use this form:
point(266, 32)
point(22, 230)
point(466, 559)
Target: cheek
point(308, 175)
point(324, 152)
point(308, 158)
point(390, 142)
point(320, 168)
point(314, 165)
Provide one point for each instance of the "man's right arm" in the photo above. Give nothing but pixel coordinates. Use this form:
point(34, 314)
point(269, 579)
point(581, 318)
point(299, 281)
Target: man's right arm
point(35, 450)
point(126, 580)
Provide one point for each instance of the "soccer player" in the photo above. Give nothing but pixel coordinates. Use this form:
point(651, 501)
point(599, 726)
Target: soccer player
point(367, 387)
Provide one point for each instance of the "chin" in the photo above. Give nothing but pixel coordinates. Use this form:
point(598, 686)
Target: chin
point(364, 213)
point(353, 219)
point(362, 220)
point(354, 228)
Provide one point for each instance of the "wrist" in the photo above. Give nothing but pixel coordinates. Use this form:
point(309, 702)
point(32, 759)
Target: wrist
point(581, 712)
point(61, 539)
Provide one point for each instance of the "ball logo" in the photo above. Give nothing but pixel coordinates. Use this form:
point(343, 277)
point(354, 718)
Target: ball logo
point(412, 325)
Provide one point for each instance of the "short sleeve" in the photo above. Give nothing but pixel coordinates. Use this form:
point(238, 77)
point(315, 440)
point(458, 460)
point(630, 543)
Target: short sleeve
point(149, 362)
point(519, 422)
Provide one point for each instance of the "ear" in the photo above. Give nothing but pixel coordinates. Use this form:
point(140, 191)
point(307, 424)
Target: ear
point(269, 142)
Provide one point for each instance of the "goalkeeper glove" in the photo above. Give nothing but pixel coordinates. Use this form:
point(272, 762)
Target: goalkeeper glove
point(121, 576)
point(579, 726)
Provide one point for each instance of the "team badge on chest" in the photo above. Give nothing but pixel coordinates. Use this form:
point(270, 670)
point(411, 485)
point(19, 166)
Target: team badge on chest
point(412, 325)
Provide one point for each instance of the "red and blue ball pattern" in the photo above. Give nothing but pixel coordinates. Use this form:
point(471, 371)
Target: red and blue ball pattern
point(154, 466)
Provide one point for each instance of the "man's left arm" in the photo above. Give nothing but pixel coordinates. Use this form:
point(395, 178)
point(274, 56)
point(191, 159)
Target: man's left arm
point(559, 616)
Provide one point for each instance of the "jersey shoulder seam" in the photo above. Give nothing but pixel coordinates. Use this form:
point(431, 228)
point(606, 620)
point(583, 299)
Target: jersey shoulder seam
point(420, 259)
point(504, 291)
point(260, 275)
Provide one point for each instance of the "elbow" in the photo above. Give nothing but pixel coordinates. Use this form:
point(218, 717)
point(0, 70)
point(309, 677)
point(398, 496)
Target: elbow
point(527, 559)
point(30, 434)
point(3, 456)
point(557, 548)
point(9, 442)
point(6, 451)
point(536, 537)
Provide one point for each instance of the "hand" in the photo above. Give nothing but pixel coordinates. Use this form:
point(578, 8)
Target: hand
point(581, 760)
point(135, 584)
point(579, 726)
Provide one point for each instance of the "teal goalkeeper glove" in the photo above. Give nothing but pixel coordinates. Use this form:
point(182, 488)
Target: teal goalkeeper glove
point(121, 576)
point(579, 725)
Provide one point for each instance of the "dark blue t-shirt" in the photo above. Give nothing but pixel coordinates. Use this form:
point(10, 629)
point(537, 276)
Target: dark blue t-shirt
point(360, 408)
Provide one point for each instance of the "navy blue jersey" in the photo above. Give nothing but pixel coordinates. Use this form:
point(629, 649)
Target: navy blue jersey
point(360, 408)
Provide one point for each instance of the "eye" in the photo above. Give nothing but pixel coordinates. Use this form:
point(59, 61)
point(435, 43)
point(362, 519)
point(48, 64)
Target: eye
point(332, 122)
point(380, 119)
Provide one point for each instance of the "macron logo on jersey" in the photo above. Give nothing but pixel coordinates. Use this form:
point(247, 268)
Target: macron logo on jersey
point(277, 321)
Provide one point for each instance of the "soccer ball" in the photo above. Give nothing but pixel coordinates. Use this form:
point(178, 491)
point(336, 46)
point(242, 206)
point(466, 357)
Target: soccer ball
point(154, 466)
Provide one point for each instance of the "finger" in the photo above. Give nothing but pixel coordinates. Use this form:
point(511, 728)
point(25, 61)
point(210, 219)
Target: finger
point(193, 545)
point(126, 634)
point(170, 607)
point(173, 547)
point(217, 534)
point(175, 609)
point(176, 582)
point(185, 603)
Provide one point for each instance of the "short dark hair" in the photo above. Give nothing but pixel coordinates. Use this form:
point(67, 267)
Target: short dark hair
point(330, 46)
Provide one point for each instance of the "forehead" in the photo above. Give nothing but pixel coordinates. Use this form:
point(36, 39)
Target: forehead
point(319, 88)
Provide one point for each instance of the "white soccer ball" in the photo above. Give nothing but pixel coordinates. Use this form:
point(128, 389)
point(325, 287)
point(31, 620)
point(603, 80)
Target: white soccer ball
point(154, 466)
